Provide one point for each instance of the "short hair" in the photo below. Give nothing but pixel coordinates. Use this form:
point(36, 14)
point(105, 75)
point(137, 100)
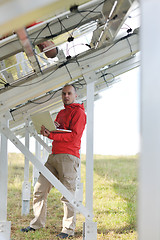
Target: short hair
point(67, 84)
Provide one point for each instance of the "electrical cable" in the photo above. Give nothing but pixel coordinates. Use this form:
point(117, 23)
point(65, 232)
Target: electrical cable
point(38, 103)
point(49, 29)
point(89, 13)
point(64, 27)
point(3, 80)
point(105, 74)
point(37, 81)
point(41, 30)
point(129, 45)
point(121, 39)
point(2, 83)
point(68, 71)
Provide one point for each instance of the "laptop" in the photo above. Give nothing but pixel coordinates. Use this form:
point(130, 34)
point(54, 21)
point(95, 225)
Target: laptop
point(44, 118)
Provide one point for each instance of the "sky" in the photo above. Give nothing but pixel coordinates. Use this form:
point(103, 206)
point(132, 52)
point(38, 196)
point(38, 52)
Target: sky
point(116, 119)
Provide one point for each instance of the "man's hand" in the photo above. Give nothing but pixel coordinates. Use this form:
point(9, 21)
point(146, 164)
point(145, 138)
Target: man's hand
point(45, 132)
point(56, 124)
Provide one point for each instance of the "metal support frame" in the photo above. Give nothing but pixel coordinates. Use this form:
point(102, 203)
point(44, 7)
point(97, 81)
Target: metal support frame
point(5, 226)
point(26, 186)
point(38, 155)
point(149, 171)
point(89, 227)
point(79, 186)
point(8, 76)
point(48, 175)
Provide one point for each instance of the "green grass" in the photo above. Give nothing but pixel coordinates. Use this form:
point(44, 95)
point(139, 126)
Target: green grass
point(115, 193)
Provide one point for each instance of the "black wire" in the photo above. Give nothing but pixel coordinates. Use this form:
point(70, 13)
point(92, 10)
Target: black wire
point(39, 33)
point(49, 29)
point(2, 83)
point(68, 71)
point(76, 60)
point(89, 13)
point(37, 81)
point(119, 40)
point(104, 79)
point(129, 45)
point(32, 101)
point(76, 84)
point(105, 74)
point(100, 53)
point(3, 80)
point(8, 43)
point(64, 27)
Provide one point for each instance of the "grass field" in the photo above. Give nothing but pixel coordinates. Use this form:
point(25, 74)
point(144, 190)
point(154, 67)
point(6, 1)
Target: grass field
point(115, 193)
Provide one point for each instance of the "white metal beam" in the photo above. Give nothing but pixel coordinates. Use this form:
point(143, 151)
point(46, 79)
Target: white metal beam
point(26, 186)
point(5, 226)
point(149, 171)
point(35, 174)
point(88, 226)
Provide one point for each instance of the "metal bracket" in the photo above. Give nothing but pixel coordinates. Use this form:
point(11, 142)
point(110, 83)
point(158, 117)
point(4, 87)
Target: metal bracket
point(89, 230)
point(5, 230)
point(26, 189)
point(90, 77)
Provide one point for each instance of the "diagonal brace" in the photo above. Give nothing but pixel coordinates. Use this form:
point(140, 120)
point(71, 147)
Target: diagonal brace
point(28, 48)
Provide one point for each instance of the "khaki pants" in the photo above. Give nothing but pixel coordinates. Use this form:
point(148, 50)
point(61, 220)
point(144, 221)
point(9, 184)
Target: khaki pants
point(64, 167)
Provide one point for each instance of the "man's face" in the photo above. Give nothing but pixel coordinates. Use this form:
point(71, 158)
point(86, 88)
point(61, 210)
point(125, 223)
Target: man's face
point(68, 95)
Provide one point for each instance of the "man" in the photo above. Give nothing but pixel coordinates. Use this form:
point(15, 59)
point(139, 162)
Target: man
point(63, 162)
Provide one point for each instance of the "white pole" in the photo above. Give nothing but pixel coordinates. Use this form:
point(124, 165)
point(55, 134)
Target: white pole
point(90, 227)
point(89, 147)
point(149, 173)
point(26, 187)
point(5, 226)
point(3, 178)
point(38, 155)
